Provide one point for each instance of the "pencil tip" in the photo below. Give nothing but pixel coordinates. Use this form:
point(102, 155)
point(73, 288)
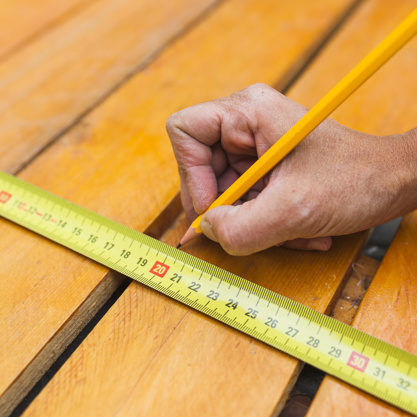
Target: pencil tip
point(190, 234)
point(179, 245)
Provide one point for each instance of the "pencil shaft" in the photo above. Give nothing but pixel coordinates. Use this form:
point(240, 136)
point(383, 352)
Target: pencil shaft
point(336, 96)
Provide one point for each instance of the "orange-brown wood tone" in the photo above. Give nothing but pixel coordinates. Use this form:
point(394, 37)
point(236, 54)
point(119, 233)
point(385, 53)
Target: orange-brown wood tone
point(212, 368)
point(118, 161)
point(304, 391)
point(22, 20)
point(388, 310)
point(154, 356)
point(60, 76)
point(384, 104)
point(160, 343)
point(170, 359)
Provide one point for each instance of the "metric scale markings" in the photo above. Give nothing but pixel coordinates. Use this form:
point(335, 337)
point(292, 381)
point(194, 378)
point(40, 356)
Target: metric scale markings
point(361, 360)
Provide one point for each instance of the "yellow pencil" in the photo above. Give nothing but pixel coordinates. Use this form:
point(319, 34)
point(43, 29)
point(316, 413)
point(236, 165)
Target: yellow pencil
point(336, 96)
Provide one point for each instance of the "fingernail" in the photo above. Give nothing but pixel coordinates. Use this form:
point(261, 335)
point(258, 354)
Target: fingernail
point(207, 229)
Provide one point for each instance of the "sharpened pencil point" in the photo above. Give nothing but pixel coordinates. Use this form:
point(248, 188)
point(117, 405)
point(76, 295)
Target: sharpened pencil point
point(190, 234)
point(179, 245)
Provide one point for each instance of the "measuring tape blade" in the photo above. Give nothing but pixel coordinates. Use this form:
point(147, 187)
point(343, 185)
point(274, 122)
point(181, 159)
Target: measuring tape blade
point(363, 361)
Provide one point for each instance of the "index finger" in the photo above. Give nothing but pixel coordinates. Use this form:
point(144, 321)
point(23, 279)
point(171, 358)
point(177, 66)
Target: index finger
point(193, 132)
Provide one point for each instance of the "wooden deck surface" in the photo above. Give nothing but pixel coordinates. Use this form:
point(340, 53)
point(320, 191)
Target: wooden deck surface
point(87, 87)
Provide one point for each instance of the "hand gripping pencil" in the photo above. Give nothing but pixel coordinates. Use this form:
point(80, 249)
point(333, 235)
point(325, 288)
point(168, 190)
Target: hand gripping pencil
point(336, 96)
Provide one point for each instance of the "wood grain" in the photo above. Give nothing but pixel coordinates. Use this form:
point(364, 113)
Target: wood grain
point(384, 104)
point(388, 310)
point(60, 76)
point(152, 356)
point(310, 379)
point(107, 31)
point(45, 286)
point(22, 20)
point(143, 105)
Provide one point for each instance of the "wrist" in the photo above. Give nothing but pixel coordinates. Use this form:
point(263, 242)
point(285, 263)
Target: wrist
point(402, 166)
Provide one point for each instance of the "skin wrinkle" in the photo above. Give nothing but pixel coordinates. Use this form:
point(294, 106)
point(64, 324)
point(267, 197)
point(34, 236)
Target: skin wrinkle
point(337, 181)
point(218, 160)
point(203, 192)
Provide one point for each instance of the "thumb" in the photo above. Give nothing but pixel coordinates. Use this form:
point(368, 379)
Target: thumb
point(242, 229)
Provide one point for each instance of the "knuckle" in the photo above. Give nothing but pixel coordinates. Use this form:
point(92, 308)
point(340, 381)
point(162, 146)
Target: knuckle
point(303, 210)
point(232, 242)
point(172, 122)
point(260, 90)
point(231, 250)
point(228, 241)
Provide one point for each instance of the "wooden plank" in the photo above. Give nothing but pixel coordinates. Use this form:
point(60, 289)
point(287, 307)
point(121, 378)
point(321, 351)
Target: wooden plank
point(51, 298)
point(143, 327)
point(21, 21)
point(384, 104)
point(60, 76)
point(309, 380)
point(146, 344)
point(142, 165)
point(114, 22)
point(388, 309)
point(388, 312)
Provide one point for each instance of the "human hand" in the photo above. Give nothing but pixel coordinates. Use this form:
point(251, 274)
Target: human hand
point(337, 181)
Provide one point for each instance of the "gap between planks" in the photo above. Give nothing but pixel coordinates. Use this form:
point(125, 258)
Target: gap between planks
point(82, 323)
point(112, 281)
point(26, 39)
point(46, 71)
point(309, 380)
point(141, 67)
point(291, 77)
point(84, 318)
point(167, 219)
point(172, 234)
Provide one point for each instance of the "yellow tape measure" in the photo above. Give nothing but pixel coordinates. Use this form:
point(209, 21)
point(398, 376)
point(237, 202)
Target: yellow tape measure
point(361, 360)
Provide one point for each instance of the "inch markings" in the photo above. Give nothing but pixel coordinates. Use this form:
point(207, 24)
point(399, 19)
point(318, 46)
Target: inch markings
point(368, 363)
